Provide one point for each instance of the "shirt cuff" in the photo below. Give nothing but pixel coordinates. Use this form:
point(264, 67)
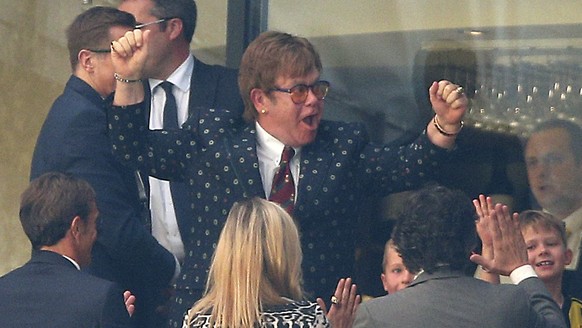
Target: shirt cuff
point(521, 273)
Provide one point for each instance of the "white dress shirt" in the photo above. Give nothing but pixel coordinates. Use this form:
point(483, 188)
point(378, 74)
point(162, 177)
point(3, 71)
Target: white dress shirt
point(164, 223)
point(269, 152)
point(574, 232)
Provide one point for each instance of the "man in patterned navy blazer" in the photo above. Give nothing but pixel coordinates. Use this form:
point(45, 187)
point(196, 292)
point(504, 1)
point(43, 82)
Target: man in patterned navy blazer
point(59, 215)
point(334, 169)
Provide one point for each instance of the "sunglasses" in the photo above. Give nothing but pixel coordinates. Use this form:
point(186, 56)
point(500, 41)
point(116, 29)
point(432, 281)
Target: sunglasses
point(299, 92)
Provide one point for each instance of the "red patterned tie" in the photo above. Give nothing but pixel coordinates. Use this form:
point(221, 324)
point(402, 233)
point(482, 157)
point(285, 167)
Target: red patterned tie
point(283, 189)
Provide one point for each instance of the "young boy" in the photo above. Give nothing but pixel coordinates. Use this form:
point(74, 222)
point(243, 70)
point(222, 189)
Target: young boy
point(545, 237)
point(394, 275)
point(546, 241)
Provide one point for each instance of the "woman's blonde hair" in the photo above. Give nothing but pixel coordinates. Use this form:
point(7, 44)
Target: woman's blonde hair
point(257, 262)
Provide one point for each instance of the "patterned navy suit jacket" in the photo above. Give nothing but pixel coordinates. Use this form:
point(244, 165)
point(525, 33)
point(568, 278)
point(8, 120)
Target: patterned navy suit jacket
point(218, 159)
point(211, 86)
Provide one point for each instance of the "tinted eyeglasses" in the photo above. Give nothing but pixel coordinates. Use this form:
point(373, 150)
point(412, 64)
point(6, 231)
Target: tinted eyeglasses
point(299, 92)
point(161, 20)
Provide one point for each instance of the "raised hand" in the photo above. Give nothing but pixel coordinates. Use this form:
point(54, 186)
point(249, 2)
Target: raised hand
point(129, 300)
point(508, 245)
point(449, 103)
point(344, 304)
point(129, 54)
point(483, 207)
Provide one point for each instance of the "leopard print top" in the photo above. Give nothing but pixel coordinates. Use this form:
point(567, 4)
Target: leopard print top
point(303, 314)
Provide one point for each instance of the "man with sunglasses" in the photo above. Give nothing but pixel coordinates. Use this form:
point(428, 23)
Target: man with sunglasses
point(74, 140)
point(332, 166)
point(171, 67)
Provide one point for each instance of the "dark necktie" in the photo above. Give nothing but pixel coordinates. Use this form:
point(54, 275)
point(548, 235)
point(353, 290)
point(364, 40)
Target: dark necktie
point(283, 189)
point(170, 108)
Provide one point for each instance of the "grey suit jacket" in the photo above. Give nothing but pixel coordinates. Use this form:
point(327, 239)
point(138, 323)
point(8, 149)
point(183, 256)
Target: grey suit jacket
point(451, 299)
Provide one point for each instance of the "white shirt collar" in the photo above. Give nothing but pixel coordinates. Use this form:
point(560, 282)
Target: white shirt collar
point(269, 151)
point(574, 220)
point(72, 261)
point(574, 229)
point(269, 146)
point(180, 77)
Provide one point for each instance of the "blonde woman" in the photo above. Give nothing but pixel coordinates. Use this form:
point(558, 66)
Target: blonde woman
point(255, 278)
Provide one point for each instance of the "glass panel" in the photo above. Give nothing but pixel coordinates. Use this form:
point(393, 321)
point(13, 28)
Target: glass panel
point(209, 43)
point(519, 62)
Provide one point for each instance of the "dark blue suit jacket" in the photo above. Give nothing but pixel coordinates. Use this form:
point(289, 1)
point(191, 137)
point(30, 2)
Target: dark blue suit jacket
point(49, 291)
point(74, 140)
point(338, 170)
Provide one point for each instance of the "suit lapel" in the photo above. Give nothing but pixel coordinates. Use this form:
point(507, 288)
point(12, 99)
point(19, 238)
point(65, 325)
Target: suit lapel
point(242, 154)
point(147, 101)
point(315, 157)
point(202, 89)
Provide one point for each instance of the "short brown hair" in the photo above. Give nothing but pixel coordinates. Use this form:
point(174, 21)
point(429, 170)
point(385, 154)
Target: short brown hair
point(185, 10)
point(49, 204)
point(272, 55)
point(540, 219)
point(91, 30)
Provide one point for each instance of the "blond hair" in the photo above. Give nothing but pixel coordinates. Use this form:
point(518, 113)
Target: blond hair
point(257, 262)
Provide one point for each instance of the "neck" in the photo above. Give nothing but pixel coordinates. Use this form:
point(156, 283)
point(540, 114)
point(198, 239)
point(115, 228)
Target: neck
point(564, 210)
point(555, 289)
point(62, 249)
point(177, 58)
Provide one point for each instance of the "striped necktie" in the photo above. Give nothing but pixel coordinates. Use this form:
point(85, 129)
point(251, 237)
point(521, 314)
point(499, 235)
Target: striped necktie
point(283, 188)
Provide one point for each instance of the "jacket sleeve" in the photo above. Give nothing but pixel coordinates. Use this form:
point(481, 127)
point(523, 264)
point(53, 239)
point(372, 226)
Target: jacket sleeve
point(547, 313)
point(134, 252)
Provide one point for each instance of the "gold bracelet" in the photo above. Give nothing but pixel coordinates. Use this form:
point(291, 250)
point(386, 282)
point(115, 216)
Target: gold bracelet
point(120, 79)
point(443, 131)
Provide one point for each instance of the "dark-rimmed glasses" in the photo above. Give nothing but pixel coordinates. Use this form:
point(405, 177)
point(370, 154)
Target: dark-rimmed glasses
point(299, 92)
point(100, 51)
point(161, 20)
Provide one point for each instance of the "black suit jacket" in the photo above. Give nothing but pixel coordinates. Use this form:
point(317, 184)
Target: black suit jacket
point(74, 140)
point(49, 291)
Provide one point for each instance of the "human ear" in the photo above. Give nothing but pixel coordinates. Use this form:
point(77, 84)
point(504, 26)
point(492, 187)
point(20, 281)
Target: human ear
point(568, 256)
point(85, 58)
point(76, 226)
point(259, 100)
point(176, 27)
point(384, 282)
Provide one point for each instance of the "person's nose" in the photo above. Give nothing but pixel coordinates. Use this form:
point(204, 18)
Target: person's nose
point(311, 98)
point(543, 250)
